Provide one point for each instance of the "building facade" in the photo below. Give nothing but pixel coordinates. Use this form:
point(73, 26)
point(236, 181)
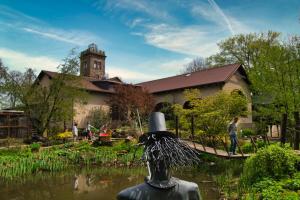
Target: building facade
point(209, 81)
point(227, 78)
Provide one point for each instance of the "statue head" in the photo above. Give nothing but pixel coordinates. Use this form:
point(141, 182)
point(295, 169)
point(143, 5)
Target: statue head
point(164, 151)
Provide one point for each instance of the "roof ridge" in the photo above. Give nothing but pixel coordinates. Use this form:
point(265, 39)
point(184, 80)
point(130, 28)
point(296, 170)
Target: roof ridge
point(236, 68)
point(207, 69)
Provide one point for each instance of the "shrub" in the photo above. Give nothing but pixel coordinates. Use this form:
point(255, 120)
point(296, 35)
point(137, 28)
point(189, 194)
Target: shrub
point(292, 184)
point(99, 117)
point(35, 147)
point(247, 132)
point(247, 148)
point(271, 162)
point(63, 135)
point(271, 189)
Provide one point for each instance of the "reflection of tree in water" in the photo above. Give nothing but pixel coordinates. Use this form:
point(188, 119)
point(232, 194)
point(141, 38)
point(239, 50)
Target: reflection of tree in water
point(60, 185)
point(39, 188)
point(104, 184)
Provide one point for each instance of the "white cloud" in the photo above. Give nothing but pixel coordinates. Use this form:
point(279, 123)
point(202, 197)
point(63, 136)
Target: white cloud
point(175, 65)
point(129, 75)
point(74, 37)
point(133, 23)
point(19, 61)
point(212, 12)
point(220, 12)
point(14, 15)
point(12, 19)
point(189, 40)
point(197, 40)
point(151, 8)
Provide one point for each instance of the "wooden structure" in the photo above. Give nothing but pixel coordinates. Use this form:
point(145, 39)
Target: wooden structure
point(13, 124)
point(213, 151)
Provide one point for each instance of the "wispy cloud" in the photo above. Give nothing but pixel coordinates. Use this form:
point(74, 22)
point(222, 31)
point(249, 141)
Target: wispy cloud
point(197, 40)
point(176, 65)
point(13, 19)
point(19, 61)
point(73, 37)
point(220, 12)
point(130, 75)
point(189, 40)
point(137, 21)
point(213, 13)
point(150, 8)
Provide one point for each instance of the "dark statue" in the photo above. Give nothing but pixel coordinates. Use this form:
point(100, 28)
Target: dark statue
point(162, 152)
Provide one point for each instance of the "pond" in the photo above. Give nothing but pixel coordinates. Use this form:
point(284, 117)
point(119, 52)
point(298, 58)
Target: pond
point(89, 184)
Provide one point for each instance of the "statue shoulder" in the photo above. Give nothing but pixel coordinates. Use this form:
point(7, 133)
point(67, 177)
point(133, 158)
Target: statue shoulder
point(189, 188)
point(133, 193)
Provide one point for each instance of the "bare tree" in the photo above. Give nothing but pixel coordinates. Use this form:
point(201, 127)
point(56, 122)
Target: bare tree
point(195, 65)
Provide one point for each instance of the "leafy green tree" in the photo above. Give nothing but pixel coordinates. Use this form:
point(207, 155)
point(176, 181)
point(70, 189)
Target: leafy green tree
point(243, 48)
point(212, 113)
point(46, 105)
point(273, 67)
point(275, 77)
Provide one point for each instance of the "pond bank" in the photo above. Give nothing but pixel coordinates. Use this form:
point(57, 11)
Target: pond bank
point(93, 183)
point(19, 162)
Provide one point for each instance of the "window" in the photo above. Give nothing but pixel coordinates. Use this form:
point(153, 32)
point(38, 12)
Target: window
point(97, 65)
point(85, 65)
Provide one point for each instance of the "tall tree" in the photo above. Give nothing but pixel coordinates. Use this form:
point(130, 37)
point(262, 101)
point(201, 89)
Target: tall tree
point(196, 65)
point(130, 98)
point(276, 76)
point(46, 105)
point(243, 48)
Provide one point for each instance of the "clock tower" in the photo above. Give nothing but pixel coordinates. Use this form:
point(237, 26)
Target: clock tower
point(92, 62)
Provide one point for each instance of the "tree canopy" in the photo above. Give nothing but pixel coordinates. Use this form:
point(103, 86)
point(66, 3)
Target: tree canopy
point(212, 113)
point(130, 98)
point(46, 105)
point(243, 48)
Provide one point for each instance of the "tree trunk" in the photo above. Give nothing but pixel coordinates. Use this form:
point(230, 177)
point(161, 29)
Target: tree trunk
point(192, 127)
point(177, 126)
point(297, 130)
point(283, 128)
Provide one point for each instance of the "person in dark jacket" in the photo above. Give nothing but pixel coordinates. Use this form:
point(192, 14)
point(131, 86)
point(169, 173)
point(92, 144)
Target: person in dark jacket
point(232, 130)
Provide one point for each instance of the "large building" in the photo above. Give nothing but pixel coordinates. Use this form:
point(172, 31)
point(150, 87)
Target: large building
point(209, 81)
point(230, 78)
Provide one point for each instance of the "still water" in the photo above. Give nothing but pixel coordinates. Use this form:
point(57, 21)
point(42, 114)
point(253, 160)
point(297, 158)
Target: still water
point(91, 184)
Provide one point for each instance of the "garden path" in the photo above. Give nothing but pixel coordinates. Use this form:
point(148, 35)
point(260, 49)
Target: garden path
point(216, 152)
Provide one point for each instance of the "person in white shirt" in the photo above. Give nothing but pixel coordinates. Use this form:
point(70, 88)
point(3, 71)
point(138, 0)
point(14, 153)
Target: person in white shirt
point(75, 132)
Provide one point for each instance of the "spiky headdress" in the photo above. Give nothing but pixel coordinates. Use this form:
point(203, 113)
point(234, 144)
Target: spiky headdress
point(163, 146)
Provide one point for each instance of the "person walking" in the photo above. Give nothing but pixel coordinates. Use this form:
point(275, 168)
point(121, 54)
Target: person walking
point(75, 132)
point(232, 129)
point(89, 131)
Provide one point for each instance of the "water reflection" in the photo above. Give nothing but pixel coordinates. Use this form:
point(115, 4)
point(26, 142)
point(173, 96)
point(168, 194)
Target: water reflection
point(89, 184)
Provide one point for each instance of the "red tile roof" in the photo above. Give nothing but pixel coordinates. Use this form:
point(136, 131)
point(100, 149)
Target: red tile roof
point(86, 82)
point(202, 77)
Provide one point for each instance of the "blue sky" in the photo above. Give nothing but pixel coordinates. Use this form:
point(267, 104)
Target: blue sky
point(143, 39)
